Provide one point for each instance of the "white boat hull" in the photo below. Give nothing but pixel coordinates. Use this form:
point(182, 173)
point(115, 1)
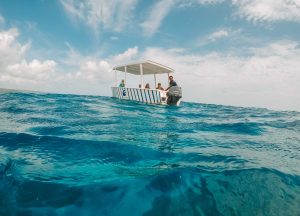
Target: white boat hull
point(150, 96)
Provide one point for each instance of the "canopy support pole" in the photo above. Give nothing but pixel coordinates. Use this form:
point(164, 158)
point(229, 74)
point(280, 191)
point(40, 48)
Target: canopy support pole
point(142, 77)
point(155, 80)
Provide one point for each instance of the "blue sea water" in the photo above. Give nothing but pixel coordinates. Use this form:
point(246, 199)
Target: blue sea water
point(88, 155)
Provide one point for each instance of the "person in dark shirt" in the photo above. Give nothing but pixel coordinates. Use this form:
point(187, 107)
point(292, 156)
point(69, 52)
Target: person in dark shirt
point(171, 83)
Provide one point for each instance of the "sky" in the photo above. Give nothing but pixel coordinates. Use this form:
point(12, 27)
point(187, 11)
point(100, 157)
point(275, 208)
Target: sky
point(230, 52)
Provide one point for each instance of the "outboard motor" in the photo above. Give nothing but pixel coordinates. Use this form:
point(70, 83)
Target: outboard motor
point(174, 94)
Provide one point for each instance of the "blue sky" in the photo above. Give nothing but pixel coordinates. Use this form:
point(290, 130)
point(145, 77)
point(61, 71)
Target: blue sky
point(236, 52)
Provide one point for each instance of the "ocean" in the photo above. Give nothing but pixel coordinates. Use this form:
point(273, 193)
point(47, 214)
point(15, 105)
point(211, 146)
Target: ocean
point(91, 155)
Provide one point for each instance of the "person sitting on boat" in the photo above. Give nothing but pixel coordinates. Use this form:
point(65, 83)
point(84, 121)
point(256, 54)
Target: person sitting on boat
point(140, 86)
point(122, 84)
point(171, 83)
point(159, 87)
point(147, 86)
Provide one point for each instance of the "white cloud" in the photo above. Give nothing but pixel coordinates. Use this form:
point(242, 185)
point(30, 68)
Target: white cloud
point(251, 10)
point(269, 77)
point(75, 74)
point(118, 15)
point(159, 11)
point(72, 10)
point(95, 71)
point(33, 71)
point(217, 35)
point(162, 8)
point(90, 74)
point(268, 10)
point(209, 1)
point(14, 68)
point(176, 50)
point(80, 68)
point(189, 3)
point(257, 10)
point(101, 14)
point(126, 56)
point(282, 48)
point(10, 49)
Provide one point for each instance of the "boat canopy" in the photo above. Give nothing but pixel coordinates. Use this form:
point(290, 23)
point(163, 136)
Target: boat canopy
point(148, 67)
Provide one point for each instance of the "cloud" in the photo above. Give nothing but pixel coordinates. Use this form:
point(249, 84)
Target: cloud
point(72, 9)
point(189, 3)
point(14, 68)
point(128, 55)
point(82, 68)
point(90, 74)
point(282, 48)
point(209, 1)
point(257, 10)
point(157, 14)
point(161, 9)
point(217, 35)
point(10, 49)
point(33, 71)
point(269, 77)
point(116, 16)
point(268, 10)
point(251, 10)
point(101, 14)
point(94, 71)
point(74, 74)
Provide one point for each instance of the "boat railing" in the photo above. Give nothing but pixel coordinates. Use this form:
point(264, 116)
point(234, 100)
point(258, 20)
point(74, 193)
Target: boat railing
point(153, 96)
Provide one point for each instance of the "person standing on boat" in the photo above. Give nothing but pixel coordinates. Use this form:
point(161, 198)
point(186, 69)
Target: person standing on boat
point(171, 83)
point(122, 84)
point(173, 92)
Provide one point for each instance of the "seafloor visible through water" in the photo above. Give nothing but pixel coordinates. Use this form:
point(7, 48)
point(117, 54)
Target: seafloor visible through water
point(87, 155)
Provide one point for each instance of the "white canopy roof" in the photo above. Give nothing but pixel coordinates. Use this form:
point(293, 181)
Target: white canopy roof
point(149, 67)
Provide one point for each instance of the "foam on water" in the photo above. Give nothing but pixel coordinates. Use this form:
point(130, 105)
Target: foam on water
point(87, 155)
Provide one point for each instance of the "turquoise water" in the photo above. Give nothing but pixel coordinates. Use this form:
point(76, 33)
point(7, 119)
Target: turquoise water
point(87, 155)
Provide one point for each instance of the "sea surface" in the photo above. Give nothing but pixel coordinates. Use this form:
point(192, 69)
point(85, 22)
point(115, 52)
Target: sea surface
point(90, 155)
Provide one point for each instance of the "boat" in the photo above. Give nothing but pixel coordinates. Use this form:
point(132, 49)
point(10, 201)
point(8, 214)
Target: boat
point(142, 94)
